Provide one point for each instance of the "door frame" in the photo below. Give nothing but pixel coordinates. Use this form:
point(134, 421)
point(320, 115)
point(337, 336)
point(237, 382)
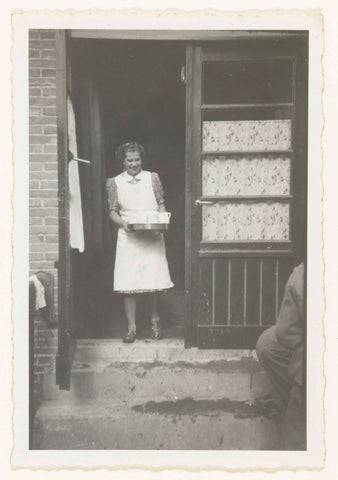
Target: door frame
point(63, 357)
point(64, 264)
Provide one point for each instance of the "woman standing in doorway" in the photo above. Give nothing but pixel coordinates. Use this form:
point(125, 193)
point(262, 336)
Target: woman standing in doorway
point(140, 265)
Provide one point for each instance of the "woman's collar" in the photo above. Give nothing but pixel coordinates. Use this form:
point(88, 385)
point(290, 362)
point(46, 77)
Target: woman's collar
point(131, 178)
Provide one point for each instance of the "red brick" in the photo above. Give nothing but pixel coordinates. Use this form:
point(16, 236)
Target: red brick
point(39, 369)
point(41, 265)
point(50, 130)
point(34, 184)
point(50, 202)
point(39, 327)
point(49, 111)
point(44, 247)
point(44, 212)
point(35, 220)
point(38, 378)
point(47, 34)
point(34, 72)
point(45, 157)
point(35, 166)
point(34, 91)
point(50, 148)
point(33, 111)
point(49, 184)
point(48, 72)
point(45, 359)
point(52, 238)
point(33, 34)
point(42, 44)
point(43, 229)
point(42, 120)
point(36, 239)
point(50, 166)
point(43, 193)
point(35, 129)
point(35, 149)
point(48, 53)
point(42, 101)
point(49, 92)
point(34, 202)
point(42, 82)
point(42, 63)
point(39, 322)
point(41, 139)
point(51, 256)
point(50, 350)
point(43, 175)
point(49, 338)
point(34, 53)
point(51, 221)
point(36, 256)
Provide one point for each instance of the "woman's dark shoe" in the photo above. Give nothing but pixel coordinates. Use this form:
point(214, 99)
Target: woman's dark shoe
point(129, 338)
point(156, 333)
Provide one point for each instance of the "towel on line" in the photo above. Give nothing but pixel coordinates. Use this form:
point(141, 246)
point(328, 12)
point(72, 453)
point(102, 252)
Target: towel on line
point(75, 205)
point(40, 299)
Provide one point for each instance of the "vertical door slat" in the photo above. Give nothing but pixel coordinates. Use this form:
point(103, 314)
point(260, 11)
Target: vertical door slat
point(213, 282)
point(237, 276)
point(229, 291)
point(269, 285)
point(245, 289)
point(206, 279)
point(221, 291)
point(260, 290)
point(277, 289)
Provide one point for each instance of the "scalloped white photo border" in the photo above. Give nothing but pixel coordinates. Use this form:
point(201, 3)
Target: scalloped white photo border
point(162, 460)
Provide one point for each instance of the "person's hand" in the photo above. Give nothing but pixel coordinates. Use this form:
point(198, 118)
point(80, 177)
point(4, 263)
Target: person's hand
point(125, 225)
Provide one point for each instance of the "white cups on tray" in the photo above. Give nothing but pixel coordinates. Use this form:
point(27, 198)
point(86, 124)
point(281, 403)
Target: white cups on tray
point(147, 217)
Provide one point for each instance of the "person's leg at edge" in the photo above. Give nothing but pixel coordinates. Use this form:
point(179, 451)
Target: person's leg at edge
point(275, 359)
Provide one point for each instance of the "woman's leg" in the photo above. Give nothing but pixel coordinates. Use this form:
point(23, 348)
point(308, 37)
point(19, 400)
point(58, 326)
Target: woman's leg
point(130, 309)
point(155, 318)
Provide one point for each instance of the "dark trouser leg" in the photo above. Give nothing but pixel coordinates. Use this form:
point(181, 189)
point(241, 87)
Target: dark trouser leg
point(275, 359)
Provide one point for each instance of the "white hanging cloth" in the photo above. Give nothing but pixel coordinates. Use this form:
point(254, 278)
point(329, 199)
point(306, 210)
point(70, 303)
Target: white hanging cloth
point(40, 299)
point(75, 205)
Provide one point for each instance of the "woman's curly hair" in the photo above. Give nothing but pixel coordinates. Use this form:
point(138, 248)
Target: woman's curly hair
point(122, 150)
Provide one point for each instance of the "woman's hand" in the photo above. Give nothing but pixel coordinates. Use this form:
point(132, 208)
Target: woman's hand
point(125, 225)
point(119, 221)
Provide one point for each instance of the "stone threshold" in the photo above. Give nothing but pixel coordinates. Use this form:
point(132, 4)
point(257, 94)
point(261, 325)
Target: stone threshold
point(144, 350)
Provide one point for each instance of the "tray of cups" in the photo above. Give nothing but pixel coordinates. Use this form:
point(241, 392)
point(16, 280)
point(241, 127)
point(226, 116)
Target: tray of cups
point(148, 220)
point(148, 226)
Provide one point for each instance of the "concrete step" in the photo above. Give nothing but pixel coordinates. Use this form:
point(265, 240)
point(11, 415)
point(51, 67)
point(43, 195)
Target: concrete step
point(111, 370)
point(154, 424)
point(175, 380)
point(156, 395)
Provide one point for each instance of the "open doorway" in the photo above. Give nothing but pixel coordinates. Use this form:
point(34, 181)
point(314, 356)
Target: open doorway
point(142, 98)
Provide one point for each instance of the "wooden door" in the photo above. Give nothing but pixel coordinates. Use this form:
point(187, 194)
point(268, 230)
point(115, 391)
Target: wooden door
point(246, 185)
point(65, 339)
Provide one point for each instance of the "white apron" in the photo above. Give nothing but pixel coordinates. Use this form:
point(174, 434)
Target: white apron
point(141, 264)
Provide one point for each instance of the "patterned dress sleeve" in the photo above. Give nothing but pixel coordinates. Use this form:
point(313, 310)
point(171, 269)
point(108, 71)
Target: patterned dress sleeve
point(157, 187)
point(113, 204)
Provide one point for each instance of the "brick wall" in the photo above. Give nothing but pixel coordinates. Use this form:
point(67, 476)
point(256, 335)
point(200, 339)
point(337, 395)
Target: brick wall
point(43, 184)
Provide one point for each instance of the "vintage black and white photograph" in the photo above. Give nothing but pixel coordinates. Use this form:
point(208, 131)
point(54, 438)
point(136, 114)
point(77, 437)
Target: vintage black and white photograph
point(168, 207)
